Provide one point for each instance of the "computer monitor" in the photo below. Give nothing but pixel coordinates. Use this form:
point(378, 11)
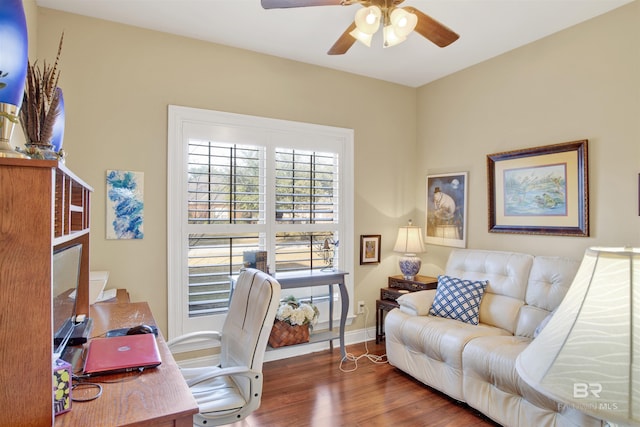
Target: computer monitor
point(66, 275)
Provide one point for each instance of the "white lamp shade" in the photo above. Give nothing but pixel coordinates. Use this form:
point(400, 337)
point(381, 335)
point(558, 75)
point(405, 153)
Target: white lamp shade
point(363, 38)
point(368, 19)
point(403, 22)
point(588, 355)
point(409, 240)
point(391, 38)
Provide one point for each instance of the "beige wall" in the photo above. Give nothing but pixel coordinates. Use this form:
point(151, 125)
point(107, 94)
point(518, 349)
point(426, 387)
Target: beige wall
point(118, 80)
point(31, 15)
point(582, 83)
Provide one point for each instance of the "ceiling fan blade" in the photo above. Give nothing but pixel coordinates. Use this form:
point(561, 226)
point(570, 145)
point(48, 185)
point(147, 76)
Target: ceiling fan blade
point(431, 29)
point(344, 42)
point(282, 4)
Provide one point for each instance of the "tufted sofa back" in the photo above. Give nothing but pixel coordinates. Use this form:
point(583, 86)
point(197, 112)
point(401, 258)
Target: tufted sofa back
point(522, 289)
point(507, 273)
point(549, 281)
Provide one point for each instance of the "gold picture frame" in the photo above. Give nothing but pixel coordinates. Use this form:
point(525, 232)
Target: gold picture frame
point(541, 190)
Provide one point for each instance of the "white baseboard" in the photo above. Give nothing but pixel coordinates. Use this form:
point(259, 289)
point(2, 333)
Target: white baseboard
point(350, 337)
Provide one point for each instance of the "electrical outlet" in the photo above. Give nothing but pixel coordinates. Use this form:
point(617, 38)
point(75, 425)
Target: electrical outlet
point(360, 307)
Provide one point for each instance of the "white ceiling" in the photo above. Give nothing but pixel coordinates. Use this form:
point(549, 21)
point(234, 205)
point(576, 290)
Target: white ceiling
point(486, 27)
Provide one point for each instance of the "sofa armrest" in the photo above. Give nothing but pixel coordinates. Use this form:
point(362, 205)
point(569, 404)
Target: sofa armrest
point(417, 303)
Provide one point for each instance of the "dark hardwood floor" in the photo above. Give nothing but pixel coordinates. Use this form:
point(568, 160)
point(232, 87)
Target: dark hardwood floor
point(311, 390)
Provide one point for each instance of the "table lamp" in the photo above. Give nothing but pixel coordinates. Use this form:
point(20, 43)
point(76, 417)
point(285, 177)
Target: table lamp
point(409, 242)
point(588, 355)
point(13, 70)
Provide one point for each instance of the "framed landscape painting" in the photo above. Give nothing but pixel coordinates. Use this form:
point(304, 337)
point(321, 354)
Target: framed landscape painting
point(542, 190)
point(446, 211)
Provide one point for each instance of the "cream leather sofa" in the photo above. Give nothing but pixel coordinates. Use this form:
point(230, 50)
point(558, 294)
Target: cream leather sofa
point(476, 363)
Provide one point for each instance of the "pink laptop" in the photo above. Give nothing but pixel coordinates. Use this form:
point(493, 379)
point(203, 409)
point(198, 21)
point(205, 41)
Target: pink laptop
point(125, 353)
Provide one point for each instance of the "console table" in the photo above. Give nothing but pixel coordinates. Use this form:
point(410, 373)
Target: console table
point(157, 397)
point(309, 278)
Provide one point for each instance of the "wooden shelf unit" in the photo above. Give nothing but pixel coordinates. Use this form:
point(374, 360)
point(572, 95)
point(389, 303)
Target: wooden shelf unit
point(43, 207)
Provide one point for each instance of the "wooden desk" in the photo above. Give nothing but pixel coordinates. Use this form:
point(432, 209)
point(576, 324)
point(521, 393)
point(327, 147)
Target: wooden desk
point(158, 397)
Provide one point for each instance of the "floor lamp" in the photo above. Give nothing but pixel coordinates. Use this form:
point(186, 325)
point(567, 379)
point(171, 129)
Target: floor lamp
point(588, 355)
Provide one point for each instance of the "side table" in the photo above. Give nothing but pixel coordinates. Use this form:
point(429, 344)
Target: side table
point(398, 285)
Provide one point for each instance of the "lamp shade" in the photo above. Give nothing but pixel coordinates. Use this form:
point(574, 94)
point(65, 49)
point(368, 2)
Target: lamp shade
point(403, 22)
point(368, 19)
point(409, 240)
point(362, 37)
point(13, 52)
point(588, 355)
point(390, 37)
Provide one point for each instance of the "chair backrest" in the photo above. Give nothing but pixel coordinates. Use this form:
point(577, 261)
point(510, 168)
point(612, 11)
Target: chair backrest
point(252, 311)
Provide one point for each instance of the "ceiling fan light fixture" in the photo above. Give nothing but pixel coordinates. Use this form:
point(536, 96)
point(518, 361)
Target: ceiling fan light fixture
point(368, 19)
point(390, 37)
point(403, 22)
point(362, 37)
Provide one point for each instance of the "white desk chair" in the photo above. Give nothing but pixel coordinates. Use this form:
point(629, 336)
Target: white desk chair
point(231, 391)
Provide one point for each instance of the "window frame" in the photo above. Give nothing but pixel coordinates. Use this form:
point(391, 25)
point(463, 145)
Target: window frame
point(185, 121)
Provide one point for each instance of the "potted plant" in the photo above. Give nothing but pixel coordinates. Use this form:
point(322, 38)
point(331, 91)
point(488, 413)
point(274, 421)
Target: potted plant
point(293, 320)
point(41, 107)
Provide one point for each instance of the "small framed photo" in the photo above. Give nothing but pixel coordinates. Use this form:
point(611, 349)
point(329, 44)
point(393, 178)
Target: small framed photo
point(370, 249)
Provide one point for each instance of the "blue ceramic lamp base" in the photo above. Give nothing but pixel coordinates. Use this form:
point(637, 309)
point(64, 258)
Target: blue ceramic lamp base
point(410, 266)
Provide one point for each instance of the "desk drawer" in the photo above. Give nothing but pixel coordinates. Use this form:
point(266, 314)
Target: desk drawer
point(420, 283)
point(391, 294)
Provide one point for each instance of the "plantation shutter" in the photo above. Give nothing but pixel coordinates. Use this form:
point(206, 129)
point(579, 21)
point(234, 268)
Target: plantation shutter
point(225, 187)
point(239, 184)
point(306, 191)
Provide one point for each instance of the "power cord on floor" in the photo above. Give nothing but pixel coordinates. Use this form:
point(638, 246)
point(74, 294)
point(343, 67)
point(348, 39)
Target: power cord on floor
point(373, 358)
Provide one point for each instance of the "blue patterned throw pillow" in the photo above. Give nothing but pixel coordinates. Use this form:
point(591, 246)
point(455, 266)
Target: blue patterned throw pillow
point(458, 299)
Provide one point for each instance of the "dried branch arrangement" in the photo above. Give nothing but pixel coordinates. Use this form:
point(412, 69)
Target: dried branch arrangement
point(41, 100)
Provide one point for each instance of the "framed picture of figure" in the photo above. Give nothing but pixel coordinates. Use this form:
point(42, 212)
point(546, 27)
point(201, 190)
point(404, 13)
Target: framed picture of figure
point(446, 211)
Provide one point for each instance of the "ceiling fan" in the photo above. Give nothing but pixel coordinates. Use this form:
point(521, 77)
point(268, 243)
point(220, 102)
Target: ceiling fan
point(397, 22)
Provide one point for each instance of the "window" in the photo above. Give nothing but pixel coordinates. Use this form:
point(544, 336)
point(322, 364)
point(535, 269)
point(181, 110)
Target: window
point(239, 184)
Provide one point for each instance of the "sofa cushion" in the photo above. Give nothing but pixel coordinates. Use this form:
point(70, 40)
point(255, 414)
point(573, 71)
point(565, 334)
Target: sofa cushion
point(417, 303)
point(548, 282)
point(507, 274)
point(430, 348)
point(529, 318)
point(458, 299)
point(543, 324)
point(492, 360)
